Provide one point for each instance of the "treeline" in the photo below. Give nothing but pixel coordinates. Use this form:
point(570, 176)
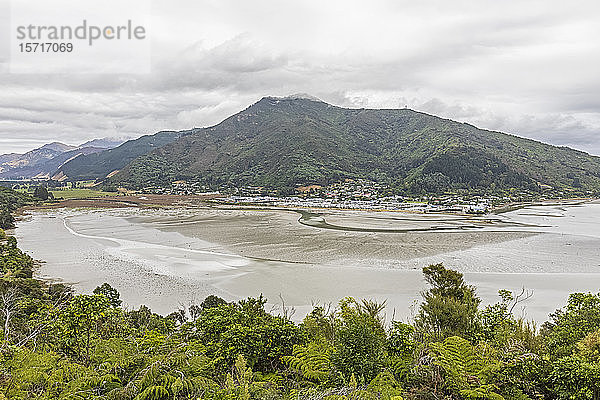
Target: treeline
point(9, 202)
point(59, 345)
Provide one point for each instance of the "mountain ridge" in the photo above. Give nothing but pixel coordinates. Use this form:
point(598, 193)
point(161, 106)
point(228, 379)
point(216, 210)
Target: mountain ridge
point(99, 165)
point(41, 162)
point(281, 142)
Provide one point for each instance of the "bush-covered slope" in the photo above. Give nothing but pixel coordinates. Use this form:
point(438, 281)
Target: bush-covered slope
point(99, 165)
point(285, 142)
point(9, 202)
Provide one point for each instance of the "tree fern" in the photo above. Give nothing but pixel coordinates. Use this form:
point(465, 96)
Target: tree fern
point(150, 374)
point(466, 368)
point(311, 361)
point(385, 387)
point(155, 392)
point(484, 392)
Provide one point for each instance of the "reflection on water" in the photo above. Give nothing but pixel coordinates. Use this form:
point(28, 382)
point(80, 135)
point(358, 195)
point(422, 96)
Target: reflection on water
point(169, 258)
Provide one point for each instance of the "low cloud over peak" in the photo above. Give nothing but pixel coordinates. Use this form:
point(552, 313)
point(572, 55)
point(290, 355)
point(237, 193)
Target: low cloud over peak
point(525, 68)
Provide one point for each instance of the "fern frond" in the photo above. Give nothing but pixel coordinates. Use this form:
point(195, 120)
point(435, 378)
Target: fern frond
point(484, 392)
point(464, 365)
point(312, 361)
point(153, 393)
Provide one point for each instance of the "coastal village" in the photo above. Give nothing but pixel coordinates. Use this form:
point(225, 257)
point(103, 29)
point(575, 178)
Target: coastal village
point(351, 194)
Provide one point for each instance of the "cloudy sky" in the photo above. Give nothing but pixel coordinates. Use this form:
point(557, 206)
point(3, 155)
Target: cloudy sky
point(531, 68)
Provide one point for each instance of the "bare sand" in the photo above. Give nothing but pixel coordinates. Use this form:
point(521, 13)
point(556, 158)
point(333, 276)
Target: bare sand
point(277, 234)
point(170, 257)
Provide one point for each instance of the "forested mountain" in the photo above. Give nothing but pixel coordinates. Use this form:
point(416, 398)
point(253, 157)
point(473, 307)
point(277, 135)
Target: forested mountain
point(99, 165)
point(285, 142)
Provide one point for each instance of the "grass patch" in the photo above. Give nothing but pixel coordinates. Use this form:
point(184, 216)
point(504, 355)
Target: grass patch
point(79, 193)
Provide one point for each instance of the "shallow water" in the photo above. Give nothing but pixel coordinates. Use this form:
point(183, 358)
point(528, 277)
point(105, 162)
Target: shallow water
point(172, 258)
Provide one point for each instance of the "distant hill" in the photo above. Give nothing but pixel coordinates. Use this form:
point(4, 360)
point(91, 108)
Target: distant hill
point(100, 164)
point(286, 142)
point(105, 143)
point(42, 162)
point(33, 157)
point(43, 170)
point(6, 159)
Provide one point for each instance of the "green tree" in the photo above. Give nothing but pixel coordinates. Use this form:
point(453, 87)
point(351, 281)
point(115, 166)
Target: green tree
point(401, 340)
point(41, 193)
point(110, 293)
point(10, 200)
point(211, 302)
point(589, 346)
point(401, 348)
point(360, 340)
point(7, 221)
point(450, 306)
point(81, 321)
point(574, 377)
point(500, 328)
point(13, 262)
point(246, 328)
point(568, 326)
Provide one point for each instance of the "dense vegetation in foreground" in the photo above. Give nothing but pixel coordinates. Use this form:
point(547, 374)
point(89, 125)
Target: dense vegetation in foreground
point(58, 345)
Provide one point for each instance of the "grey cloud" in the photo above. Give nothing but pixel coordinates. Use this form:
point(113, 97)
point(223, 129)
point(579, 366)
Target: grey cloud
point(528, 68)
point(557, 129)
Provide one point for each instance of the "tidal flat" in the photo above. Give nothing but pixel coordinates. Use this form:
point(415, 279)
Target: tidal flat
point(168, 258)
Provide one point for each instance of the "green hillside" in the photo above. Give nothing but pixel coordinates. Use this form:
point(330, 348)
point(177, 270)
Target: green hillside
point(99, 165)
point(285, 142)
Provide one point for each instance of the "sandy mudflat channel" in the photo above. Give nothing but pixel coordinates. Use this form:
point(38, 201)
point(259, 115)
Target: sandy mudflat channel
point(166, 258)
point(277, 234)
